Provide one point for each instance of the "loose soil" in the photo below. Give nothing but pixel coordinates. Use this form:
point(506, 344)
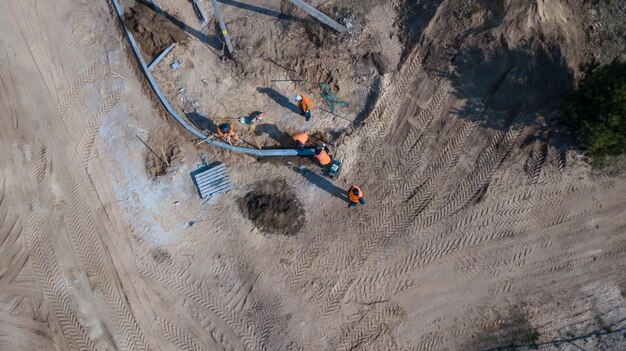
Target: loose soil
point(167, 149)
point(274, 208)
point(153, 32)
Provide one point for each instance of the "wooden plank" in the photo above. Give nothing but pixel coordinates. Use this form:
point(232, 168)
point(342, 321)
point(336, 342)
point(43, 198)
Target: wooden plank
point(319, 15)
point(220, 19)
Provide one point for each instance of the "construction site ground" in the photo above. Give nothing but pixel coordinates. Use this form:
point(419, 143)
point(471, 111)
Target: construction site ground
point(484, 225)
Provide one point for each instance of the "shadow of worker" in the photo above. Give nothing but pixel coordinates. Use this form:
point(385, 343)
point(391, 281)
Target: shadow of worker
point(323, 183)
point(201, 121)
point(274, 133)
point(279, 99)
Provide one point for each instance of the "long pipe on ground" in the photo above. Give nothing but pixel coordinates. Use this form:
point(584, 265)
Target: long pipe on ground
point(197, 133)
point(320, 16)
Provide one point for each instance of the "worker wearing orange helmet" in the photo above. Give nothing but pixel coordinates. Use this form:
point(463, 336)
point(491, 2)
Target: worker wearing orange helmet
point(227, 130)
point(355, 195)
point(322, 156)
point(300, 140)
point(305, 105)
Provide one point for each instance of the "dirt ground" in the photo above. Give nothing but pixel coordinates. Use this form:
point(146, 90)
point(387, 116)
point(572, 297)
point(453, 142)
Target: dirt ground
point(484, 226)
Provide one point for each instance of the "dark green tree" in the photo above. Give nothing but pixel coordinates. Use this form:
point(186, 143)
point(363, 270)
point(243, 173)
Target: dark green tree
point(596, 109)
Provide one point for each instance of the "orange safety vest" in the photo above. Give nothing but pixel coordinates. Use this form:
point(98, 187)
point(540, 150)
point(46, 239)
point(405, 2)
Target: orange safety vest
point(304, 104)
point(352, 197)
point(302, 137)
point(323, 158)
point(230, 132)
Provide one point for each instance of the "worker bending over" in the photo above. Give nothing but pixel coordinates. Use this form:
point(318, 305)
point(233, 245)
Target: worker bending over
point(227, 131)
point(300, 139)
point(356, 196)
point(305, 105)
point(322, 156)
point(256, 116)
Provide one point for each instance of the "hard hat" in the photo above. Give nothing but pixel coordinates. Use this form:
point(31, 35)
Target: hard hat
point(298, 98)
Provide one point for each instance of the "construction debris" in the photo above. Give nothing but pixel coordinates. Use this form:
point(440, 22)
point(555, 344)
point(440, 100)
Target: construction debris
point(160, 57)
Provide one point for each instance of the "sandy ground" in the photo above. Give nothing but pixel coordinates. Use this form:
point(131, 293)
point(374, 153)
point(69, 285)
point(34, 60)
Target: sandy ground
point(482, 227)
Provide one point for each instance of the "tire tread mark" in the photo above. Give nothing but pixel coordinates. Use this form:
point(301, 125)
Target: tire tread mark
point(88, 137)
point(534, 163)
point(89, 250)
point(178, 337)
point(70, 96)
point(201, 297)
point(54, 288)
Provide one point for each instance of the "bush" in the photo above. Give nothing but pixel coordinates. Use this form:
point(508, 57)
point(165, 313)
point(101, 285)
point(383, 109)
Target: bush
point(596, 109)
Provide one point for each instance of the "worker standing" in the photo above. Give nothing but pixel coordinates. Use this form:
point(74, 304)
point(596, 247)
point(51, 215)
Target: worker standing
point(322, 156)
point(227, 130)
point(305, 105)
point(356, 196)
point(300, 140)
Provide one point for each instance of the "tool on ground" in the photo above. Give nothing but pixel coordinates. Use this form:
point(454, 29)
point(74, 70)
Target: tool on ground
point(254, 146)
point(288, 80)
point(164, 157)
point(336, 115)
point(205, 139)
point(330, 97)
point(154, 153)
point(335, 167)
point(117, 74)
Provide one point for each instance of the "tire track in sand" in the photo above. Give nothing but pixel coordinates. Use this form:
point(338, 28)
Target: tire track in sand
point(54, 287)
point(75, 90)
point(231, 326)
point(88, 137)
point(89, 248)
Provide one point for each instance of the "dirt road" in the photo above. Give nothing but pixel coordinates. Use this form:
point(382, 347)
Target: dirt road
point(474, 235)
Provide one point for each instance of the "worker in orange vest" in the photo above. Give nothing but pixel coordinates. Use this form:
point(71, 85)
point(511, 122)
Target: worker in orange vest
point(300, 139)
point(305, 105)
point(356, 196)
point(227, 130)
point(322, 156)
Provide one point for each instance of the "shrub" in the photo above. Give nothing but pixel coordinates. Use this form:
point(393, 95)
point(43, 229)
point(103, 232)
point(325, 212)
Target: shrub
point(596, 109)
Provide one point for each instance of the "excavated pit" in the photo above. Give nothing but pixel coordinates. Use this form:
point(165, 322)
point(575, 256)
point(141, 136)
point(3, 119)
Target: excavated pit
point(274, 208)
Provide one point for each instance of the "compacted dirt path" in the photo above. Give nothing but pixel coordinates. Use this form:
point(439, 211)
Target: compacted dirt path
point(473, 236)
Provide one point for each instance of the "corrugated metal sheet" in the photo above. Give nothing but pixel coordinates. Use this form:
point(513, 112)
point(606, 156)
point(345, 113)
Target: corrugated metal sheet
point(212, 181)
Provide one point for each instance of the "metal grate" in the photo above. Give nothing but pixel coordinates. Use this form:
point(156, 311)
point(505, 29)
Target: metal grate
point(212, 181)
